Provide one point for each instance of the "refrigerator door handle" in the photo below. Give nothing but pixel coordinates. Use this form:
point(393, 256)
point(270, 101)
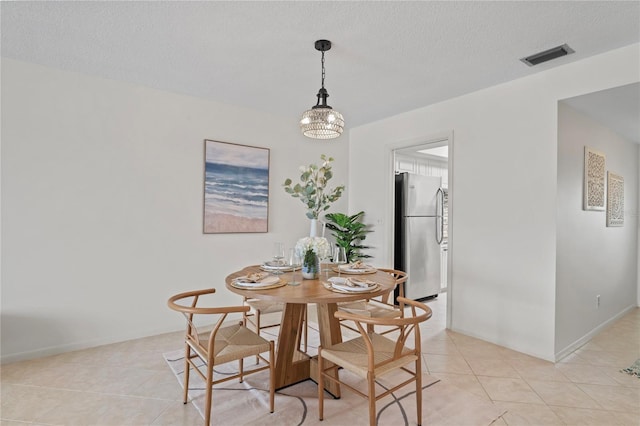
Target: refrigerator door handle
point(440, 216)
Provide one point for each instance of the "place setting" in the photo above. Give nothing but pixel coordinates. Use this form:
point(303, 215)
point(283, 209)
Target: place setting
point(350, 285)
point(279, 264)
point(257, 280)
point(277, 267)
point(354, 268)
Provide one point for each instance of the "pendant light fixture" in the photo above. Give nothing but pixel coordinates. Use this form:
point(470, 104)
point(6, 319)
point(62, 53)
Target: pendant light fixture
point(322, 121)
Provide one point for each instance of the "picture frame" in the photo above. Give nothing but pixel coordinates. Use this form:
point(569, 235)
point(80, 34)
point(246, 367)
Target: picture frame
point(615, 199)
point(594, 184)
point(236, 188)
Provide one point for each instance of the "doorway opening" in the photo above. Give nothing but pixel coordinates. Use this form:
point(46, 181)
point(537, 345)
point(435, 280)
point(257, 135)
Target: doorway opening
point(422, 218)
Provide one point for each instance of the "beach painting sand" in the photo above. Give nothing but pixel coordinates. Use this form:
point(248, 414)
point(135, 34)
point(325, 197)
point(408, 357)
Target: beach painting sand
point(236, 188)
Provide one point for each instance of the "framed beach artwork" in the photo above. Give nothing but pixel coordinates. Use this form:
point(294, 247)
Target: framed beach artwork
point(615, 199)
point(236, 188)
point(593, 190)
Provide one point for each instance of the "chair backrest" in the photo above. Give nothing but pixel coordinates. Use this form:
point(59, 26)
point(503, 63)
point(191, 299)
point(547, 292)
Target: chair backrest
point(407, 326)
point(190, 309)
point(400, 277)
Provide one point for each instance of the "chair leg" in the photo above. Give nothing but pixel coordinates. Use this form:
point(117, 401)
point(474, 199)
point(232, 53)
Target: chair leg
point(320, 384)
point(209, 393)
point(257, 315)
point(372, 399)
point(272, 376)
point(187, 369)
point(419, 390)
point(241, 367)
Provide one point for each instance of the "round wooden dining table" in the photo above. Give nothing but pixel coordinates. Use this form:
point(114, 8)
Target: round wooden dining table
point(292, 365)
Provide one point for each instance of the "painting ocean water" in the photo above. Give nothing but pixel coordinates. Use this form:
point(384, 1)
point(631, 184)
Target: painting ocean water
point(237, 190)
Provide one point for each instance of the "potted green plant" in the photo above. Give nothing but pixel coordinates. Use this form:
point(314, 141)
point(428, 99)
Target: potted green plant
point(310, 249)
point(349, 232)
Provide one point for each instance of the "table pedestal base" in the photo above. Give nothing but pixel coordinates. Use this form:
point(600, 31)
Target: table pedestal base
point(293, 366)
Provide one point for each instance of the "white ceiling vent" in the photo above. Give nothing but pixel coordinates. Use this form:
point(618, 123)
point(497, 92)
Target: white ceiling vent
point(547, 55)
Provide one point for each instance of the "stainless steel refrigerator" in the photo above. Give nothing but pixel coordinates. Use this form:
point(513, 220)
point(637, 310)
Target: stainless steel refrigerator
point(419, 231)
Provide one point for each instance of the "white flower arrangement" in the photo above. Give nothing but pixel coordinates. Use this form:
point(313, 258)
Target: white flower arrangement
point(312, 246)
point(312, 189)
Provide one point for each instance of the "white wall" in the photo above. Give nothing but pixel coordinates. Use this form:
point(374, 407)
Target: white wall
point(102, 205)
point(593, 259)
point(504, 254)
point(102, 201)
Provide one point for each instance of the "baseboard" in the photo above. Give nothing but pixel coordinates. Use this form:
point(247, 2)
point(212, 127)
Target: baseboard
point(590, 335)
point(76, 346)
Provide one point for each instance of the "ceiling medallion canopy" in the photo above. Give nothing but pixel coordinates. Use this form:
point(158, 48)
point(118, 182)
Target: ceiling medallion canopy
point(322, 121)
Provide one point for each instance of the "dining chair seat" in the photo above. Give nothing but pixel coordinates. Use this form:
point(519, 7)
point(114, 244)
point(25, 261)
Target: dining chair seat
point(371, 308)
point(231, 343)
point(354, 356)
point(264, 306)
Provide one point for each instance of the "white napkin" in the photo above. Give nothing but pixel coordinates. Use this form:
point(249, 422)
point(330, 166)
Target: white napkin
point(264, 282)
point(351, 284)
point(357, 282)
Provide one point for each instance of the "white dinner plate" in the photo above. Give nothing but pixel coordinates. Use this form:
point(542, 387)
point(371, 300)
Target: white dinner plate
point(347, 269)
point(271, 266)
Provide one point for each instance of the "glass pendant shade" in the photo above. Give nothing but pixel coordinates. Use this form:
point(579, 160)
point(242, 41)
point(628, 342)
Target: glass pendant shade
point(322, 123)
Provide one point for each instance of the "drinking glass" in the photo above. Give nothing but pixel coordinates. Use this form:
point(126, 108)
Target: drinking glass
point(324, 262)
point(278, 257)
point(339, 257)
point(296, 265)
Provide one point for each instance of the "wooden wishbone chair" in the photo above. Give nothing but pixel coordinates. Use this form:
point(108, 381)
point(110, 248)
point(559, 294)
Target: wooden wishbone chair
point(225, 343)
point(371, 355)
point(374, 308)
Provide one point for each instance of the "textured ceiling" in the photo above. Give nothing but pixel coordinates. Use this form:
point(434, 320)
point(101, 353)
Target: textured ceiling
point(387, 57)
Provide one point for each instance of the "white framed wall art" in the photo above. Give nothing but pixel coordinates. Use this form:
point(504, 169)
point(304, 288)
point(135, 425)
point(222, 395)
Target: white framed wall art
point(615, 199)
point(594, 166)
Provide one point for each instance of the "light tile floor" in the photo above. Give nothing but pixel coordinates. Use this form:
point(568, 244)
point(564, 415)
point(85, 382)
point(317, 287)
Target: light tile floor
point(585, 388)
point(129, 383)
